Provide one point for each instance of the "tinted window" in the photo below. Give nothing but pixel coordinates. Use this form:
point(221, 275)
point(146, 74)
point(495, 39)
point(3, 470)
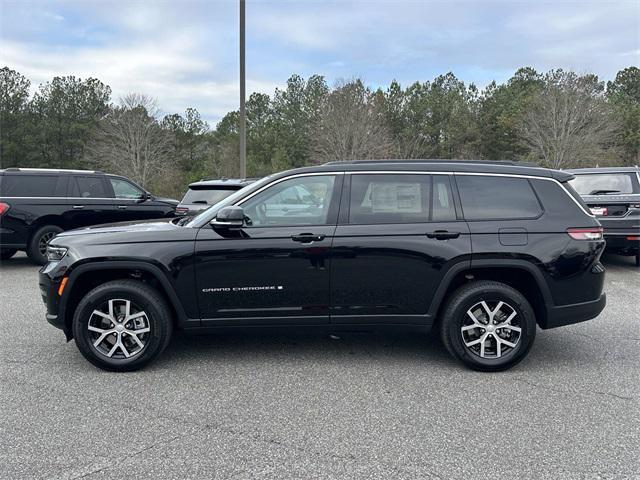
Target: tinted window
point(389, 199)
point(88, 187)
point(442, 207)
point(494, 198)
point(208, 196)
point(124, 189)
point(297, 201)
point(32, 186)
point(605, 183)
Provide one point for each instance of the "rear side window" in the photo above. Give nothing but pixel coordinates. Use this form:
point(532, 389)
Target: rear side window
point(377, 199)
point(33, 186)
point(88, 187)
point(497, 198)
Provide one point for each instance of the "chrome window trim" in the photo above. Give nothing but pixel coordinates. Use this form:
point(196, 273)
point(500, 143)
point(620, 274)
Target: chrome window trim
point(68, 198)
point(406, 172)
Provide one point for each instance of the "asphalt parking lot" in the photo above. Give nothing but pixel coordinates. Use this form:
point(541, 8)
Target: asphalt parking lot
point(309, 406)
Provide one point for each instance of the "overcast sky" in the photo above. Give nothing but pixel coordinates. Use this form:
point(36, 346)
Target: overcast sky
point(185, 53)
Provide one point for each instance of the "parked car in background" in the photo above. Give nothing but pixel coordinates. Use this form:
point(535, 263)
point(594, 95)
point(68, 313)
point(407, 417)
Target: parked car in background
point(201, 195)
point(482, 252)
point(37, 204)
point(613, 195)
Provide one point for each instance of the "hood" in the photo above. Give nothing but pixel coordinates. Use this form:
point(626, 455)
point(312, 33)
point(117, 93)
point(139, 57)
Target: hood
point(156, 225)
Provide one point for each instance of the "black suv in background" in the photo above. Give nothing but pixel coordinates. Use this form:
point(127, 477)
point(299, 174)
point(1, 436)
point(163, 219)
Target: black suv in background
point(613, 195)
point(37, 204)
point(201, 195)
point(482, 252)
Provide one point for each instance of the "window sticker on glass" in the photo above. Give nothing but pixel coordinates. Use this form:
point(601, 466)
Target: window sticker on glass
point(396, 197)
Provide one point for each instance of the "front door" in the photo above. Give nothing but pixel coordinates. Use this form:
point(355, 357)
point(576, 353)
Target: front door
point(276, 269)
point(398, 235)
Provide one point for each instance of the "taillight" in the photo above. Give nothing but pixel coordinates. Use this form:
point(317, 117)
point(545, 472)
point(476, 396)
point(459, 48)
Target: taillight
point(633, 238)
point(182, 211)
point(594, 233)
point(4, 208)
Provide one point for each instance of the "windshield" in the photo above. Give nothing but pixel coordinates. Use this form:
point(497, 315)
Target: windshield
point(605, 183)
point(208, 214)
point(207, 196)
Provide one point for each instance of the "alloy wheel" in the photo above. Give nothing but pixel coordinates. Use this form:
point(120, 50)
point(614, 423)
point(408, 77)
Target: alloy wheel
point(491, 329)
point(119, 329)
point(44, 240)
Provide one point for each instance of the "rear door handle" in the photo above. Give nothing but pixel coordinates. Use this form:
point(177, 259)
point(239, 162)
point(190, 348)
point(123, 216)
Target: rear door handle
point(307, 237)
point(443, 235)
point(121, 207)
point(78, 207)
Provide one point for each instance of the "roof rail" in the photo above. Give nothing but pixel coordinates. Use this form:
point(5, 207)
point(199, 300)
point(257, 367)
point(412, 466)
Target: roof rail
point(434, 160)
point(56, 170)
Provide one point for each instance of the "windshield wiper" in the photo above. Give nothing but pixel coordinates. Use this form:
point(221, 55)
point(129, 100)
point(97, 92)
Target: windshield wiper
point(603, 192)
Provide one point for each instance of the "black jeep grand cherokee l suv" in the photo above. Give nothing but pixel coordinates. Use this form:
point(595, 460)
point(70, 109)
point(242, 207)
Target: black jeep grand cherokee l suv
point(37, 204)
point(483, 252)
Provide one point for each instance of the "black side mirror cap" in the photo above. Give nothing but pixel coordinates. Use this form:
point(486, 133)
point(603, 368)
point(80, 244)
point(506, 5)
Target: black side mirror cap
point(229, 217)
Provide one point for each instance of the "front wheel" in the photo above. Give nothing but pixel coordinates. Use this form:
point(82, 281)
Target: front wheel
point(487, 325)
point(122, 325)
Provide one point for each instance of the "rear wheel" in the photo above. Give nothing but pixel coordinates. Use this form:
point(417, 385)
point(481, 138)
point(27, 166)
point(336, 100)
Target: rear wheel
point(122, 325)
point(37, 248)
point(488, 325)
point(7, 253)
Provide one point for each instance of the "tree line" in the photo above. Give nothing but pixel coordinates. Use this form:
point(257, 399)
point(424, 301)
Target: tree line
point(559, 119)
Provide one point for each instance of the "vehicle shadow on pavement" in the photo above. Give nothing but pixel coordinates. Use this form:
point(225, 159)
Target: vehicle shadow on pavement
point(321, 346)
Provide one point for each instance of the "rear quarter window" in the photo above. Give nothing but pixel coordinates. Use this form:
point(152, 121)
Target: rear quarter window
point(497, 198)
point(33, 186)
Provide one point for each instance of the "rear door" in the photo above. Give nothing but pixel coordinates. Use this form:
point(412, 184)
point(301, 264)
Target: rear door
point(398, 236)
point(90, 201)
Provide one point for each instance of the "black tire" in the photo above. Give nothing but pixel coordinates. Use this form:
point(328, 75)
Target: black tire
point(147, 299)
point(456, 317)
point(7, 253)
point(39, 239)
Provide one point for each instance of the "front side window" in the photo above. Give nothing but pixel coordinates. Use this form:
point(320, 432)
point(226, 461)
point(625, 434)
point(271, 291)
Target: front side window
point(123, 189)
point(497, 198)
point(297, 201)
point(605, 184)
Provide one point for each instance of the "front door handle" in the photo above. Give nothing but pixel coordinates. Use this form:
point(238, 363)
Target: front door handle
point(121, 207)
point(307, 237)
point(443, 235)
point(78, 207)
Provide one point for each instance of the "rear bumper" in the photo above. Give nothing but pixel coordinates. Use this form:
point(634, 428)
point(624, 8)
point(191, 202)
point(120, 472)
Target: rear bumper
point(575, 313)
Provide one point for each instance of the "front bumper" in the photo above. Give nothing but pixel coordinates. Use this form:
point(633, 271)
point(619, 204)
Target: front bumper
point(49, 279)
point(575, 313)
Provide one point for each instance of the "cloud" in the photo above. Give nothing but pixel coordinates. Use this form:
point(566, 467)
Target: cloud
point(185, 53)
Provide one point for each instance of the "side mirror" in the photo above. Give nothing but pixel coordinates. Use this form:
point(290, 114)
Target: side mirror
point(144, 197)
point(229, 217)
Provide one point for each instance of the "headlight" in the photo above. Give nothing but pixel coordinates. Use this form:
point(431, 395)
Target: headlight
point(55, 253)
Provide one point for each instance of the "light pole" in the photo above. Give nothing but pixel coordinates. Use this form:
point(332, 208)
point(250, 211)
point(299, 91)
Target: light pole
point(242, 130)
